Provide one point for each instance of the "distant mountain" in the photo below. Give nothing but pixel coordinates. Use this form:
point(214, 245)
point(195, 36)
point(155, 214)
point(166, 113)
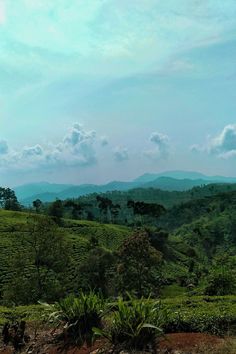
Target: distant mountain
point(173, 184)
point(50, 192)
point(149, 177)
point(168, 181)
point(27, 190)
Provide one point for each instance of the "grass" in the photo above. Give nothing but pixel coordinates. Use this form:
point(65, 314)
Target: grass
point(171, 291)
point(30, 313)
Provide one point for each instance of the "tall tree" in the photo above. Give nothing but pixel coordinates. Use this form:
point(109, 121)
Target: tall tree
point(105, 205)
point(37, 204)
point(139, 266)
point(56, 211)
point(8, 199)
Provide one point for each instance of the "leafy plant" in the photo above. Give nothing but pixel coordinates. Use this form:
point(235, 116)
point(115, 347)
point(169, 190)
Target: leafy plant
point(205, 314)
point(79, 315)
point(220, 282)
point(135, 324)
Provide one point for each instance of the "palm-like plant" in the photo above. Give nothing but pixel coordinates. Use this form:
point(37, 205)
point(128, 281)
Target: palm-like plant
point(135, 324)
point(79, 315)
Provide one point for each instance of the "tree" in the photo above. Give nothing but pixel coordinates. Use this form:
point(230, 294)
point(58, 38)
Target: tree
point(56, 211)
point(158, 238)
point(37, 204)
point(115, 209)
point(139, 266)
point(8, 199)
point(95, 271)
point(145, 209)
point(105, 205)
point(220, 282)
point(39, 267)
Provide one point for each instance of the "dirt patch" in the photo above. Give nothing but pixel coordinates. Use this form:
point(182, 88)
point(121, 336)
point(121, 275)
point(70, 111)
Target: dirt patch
point(181, 343)
point(52, 349)
point(189, 342)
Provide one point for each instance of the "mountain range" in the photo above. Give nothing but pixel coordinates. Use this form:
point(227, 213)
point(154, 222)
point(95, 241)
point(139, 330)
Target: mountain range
point(170, 181)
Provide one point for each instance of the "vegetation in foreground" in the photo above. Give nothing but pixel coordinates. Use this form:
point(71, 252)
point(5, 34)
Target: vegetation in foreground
point(128, 324)
point(183, 256)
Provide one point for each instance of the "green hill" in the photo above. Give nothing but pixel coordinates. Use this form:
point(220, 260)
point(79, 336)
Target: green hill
point(77, 233)
point(199, 231)
point(166, 198)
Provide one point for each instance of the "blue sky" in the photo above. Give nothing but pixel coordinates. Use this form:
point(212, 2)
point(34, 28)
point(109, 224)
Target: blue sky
point(96, 90)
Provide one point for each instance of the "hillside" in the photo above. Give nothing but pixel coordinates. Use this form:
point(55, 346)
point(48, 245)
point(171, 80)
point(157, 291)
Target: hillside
point(207, 206)
point(157, 196)
point(77, 233)
point(198, 230)
point(192, 245)
point(167, 181)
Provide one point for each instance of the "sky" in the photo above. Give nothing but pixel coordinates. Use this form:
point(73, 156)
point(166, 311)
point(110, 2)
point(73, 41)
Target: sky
point(99, 90)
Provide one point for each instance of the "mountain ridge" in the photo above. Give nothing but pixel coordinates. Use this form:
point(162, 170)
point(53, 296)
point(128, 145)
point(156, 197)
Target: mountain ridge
point(48, 192)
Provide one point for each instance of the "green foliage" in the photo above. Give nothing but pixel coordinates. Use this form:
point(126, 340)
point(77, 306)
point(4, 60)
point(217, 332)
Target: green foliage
point(16, 271)
point(8, 199)
point(38, 268)
point(135, 324)
point(221, 281)
point(37, 204)
point(214, 315)
point(158, 238)
point(79, 315)
point(32, 313)
point(56, 211)
point(139, 266)
point(97, 271)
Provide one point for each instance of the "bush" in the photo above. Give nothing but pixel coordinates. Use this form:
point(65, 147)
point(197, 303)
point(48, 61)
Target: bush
point(79, 315)
point(220, 282)
point(214, 315)
point(135, 324)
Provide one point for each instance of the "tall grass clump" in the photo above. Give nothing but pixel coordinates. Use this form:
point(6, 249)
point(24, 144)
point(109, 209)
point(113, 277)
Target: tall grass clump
point(79, 315)
point(134, 325)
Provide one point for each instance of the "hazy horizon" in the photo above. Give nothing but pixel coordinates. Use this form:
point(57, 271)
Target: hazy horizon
point(99, 90)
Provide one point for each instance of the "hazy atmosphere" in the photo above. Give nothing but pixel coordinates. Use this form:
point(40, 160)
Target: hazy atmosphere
point(118, 176)
point(101, 90)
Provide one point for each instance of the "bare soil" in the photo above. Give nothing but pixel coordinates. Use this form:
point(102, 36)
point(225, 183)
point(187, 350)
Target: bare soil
point(175, 343)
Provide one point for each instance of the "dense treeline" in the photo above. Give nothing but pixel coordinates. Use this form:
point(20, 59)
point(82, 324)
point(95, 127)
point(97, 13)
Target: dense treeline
point(136, 207)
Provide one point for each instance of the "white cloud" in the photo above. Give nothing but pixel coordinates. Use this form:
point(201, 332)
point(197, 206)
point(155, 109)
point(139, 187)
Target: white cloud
point(161, 149)
point(225, 142)
point(75, 149)
point(121, 154)
point(32, 151)
point(223, 145)
point(161, 140)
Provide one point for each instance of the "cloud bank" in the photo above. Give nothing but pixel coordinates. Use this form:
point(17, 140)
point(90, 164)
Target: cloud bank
point(223, 145)
point(75, 149)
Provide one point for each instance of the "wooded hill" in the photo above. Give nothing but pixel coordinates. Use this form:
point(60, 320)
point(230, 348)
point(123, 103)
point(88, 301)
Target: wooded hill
point(190, 242)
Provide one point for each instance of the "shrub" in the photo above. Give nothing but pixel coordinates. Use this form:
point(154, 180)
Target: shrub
point(220, 282)
point(214, 315)
point(135, 324)
point(79, 315)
